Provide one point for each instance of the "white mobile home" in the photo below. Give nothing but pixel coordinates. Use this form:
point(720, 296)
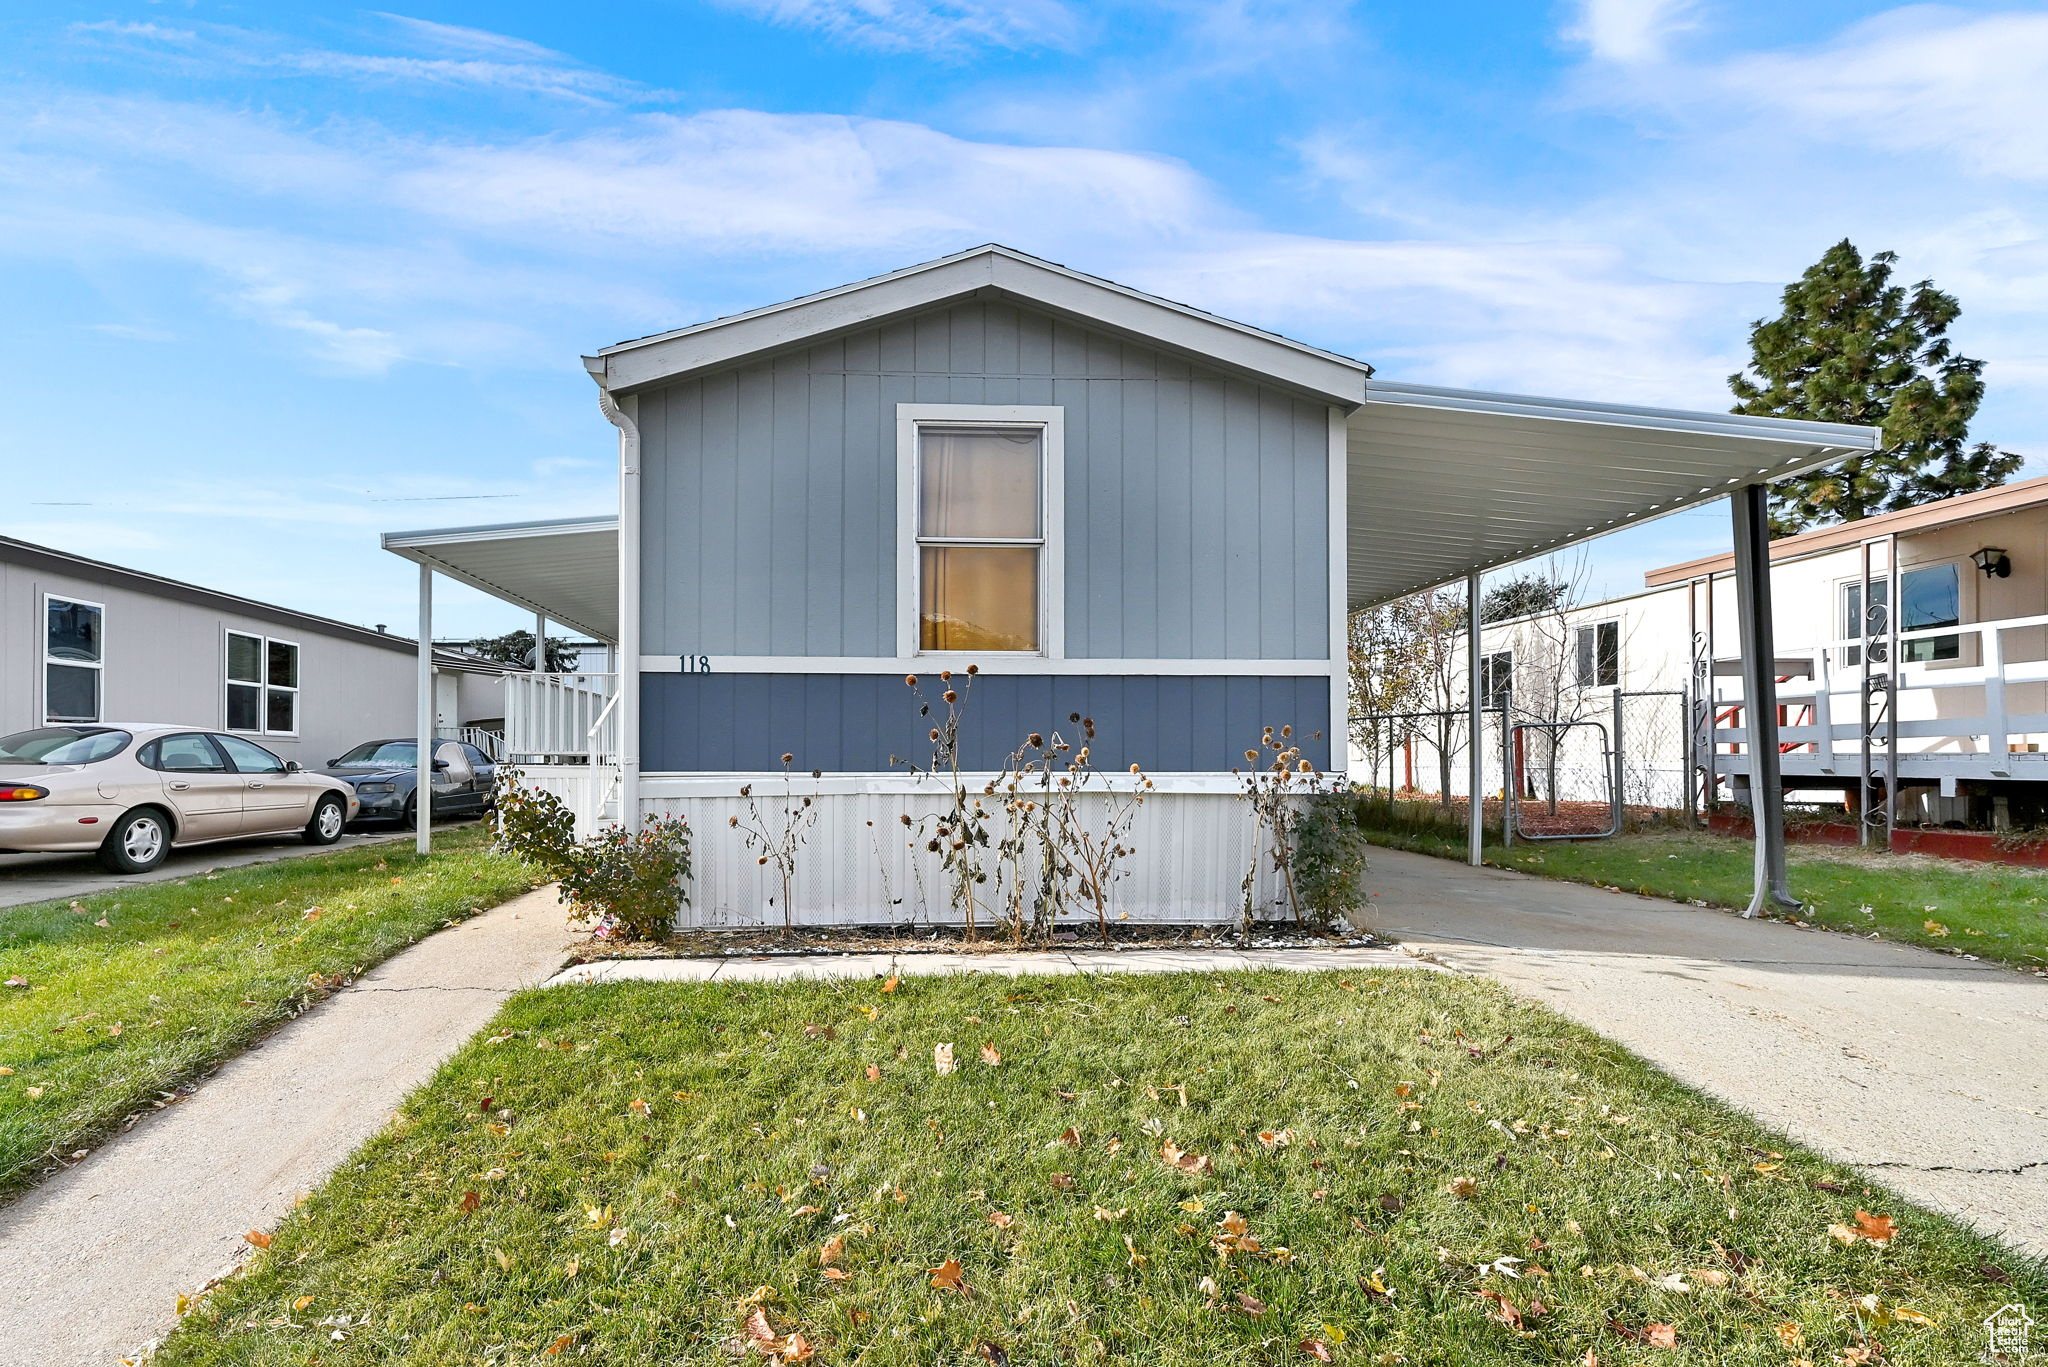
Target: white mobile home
point(85, 641)
point(1943, 703)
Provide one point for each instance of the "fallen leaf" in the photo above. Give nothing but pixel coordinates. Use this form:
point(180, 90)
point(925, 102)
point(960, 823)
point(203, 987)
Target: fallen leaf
point(1463, 1188)
point(992, 1353)
point(890, 986)
point(759, 1330)
point(1174, 1156)
point(1250, 1305)
point(1842, 1234)
point(1879, 1229)
point(1108, 1216)
point(1660, 1336)
point(1504, 1309)
point(1001, 1219)
point(1934, 928)
point(258, 1238)
point(1790, 1334)
point(470, 1201)
point(302, 1302)
point(1072, 1138)
point(1276, 1139)
point(942, 1059)
point(1063, 1180)
point(572, 1267)
point(561, 1344)
point(1391, 1204)
point(639, 1107)
point(946, 1276)
point(835, 1274)
point(831, 1250)
point(796, 1348)
point(1316, 1349)
point(991, 1055)
point(874, 1073)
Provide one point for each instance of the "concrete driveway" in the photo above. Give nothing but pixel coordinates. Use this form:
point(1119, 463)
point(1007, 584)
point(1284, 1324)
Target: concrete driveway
point(26, 878)
point(1923, 1069)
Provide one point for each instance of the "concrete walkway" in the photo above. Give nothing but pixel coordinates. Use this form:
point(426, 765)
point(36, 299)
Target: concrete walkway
point(93, 1260)
point(781, 967)
point(1927, 1071)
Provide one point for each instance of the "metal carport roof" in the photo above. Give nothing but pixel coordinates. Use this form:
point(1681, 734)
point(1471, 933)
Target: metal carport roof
point(566, 568)
point(1442, 483)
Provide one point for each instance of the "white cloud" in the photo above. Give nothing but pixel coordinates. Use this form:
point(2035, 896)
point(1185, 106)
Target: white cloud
point(1926, 77)
point(926, 25)
point(1629, 32)
point(475, 41)
point(739, 180)
point(488, 60)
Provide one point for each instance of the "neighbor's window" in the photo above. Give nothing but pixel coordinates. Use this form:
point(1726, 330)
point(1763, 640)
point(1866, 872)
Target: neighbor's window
point(1933, 597)
point(72, 659)
point(980, 537)
point(1599, 651)
point(1496, 678)
point(263, 685)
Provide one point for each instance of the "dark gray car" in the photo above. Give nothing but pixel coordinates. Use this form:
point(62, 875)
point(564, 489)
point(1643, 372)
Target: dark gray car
point(384, 774)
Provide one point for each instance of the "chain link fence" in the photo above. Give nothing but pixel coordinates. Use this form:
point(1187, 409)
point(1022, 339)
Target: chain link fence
point(1617, 760)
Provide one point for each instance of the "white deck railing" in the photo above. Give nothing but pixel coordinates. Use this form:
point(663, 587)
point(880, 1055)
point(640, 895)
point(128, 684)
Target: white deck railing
point(561, 718)
point(1952, 714)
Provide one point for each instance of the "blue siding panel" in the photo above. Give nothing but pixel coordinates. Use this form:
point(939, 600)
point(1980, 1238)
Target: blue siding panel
point(1196, 519)
point(856, 723)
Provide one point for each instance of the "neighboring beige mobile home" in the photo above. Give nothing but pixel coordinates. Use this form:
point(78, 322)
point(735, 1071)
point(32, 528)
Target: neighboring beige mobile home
point(85, 641)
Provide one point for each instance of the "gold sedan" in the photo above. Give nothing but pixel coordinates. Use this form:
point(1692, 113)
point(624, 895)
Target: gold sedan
point(132, 793)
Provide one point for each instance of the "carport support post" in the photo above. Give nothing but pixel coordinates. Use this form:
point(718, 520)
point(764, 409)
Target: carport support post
point(1751, 507)
point(540, 643)
point(1475, 769)
point(423, 776)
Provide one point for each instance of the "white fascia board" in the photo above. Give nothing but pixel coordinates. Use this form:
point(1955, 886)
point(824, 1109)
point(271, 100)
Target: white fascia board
point(502, 531)
point(1838, 438)
point(1325, 375)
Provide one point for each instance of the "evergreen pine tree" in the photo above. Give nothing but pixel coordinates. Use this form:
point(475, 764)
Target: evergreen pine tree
point(1852, 347)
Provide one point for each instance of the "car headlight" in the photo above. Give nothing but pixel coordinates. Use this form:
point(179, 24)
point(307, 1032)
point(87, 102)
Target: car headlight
point(376, 787)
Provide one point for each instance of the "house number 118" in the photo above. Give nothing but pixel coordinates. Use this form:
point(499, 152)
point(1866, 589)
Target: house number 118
point(696, 664)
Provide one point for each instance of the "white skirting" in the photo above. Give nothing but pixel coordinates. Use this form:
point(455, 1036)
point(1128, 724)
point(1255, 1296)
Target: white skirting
point(858, 864)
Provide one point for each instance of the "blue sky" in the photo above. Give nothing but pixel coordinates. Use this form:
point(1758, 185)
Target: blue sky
point(278, 277)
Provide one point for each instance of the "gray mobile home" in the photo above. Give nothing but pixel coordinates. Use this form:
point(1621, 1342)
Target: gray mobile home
point(1113, 506)
point(85, 641)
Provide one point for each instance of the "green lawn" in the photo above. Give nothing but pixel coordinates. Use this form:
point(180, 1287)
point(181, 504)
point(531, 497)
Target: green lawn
point(1401, 1168)
point(130, 992)
point(1990, 910)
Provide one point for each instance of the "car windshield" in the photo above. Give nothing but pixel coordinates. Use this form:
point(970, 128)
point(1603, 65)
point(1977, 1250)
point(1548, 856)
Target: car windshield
point(62, 745)
point(399, 752)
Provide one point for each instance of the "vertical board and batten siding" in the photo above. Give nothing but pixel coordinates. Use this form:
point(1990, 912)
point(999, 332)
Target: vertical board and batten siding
point(1196, 507)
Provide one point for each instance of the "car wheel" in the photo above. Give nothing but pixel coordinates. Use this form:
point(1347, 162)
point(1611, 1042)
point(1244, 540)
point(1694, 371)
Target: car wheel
point(411, 820)
point(138, 842)
point(328, 819)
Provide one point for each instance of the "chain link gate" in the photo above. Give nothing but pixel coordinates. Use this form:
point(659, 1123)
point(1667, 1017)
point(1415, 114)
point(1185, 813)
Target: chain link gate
point(1578, 777)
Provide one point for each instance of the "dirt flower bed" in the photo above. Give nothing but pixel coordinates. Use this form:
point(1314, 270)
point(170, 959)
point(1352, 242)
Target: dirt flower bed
point(760, 941)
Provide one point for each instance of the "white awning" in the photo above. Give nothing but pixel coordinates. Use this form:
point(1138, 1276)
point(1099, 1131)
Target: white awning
point(567, 569)
point(1448, 482)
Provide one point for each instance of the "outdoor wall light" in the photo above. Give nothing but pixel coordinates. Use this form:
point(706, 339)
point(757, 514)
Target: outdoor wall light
point(1995, 563)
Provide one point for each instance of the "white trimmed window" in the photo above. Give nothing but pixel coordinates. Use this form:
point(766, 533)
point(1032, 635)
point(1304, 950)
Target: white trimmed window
point(73, 658)
point(1599, 655)
point(981, 520)
point(263, 685)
